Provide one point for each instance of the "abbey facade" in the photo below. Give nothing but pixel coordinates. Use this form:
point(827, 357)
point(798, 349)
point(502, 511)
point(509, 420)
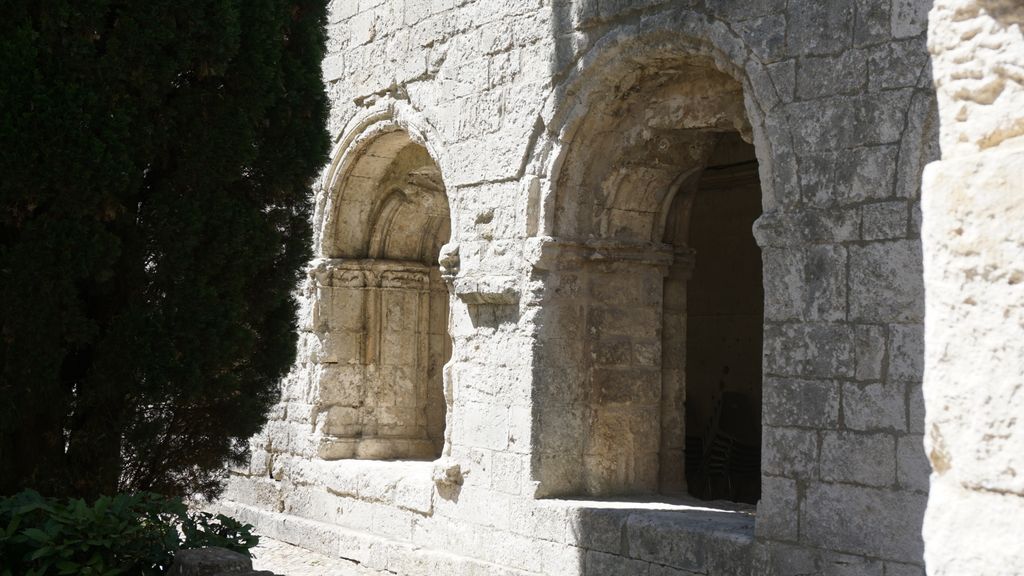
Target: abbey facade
point(637, 287)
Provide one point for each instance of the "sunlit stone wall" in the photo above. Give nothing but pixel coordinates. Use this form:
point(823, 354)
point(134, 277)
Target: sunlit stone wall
point(974, 281)
point(561, 131)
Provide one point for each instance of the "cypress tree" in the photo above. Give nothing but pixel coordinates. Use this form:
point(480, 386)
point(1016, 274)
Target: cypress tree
point(156, 159)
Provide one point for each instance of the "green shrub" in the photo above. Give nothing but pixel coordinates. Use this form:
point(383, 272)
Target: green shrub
point(127, 534)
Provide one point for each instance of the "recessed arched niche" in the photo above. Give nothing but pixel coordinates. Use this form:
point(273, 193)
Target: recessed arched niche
point(381, 304)
point(649, 373)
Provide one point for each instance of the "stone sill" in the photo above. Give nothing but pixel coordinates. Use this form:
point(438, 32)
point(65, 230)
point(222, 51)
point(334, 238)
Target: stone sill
point(697, 536)
point(655, 502)
point(732, 519)
point(689, 536)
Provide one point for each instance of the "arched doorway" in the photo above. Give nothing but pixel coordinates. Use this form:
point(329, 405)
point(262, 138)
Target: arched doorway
point(644, 218)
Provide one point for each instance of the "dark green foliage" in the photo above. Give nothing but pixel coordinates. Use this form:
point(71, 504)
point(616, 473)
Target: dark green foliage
point(134, 534)
point(156, 158)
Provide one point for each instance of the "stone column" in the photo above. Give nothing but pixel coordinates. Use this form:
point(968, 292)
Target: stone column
point(376, 360)
point(672, 472)
point(598, 368)
point(973, 239)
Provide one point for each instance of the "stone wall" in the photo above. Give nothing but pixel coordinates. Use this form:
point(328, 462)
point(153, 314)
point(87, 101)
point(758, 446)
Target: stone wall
point(973, 246)
point(563, 132)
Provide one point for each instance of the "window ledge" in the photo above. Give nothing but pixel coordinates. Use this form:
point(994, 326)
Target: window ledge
point(704, 537)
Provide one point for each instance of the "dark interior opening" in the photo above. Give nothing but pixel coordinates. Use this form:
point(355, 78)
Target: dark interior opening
point(724, 320)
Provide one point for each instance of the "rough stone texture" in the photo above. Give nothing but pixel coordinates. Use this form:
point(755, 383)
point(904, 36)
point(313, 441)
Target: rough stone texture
point(973, 242)
point(529, 170)
point(288, 560)
point(976, 55)
point(212, 562)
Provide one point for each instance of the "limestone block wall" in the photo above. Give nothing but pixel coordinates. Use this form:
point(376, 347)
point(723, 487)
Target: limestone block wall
point(562, 132)
point(973, 246)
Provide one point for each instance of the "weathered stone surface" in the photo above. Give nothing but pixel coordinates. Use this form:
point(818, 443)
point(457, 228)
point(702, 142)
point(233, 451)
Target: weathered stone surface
point(868, 459)
point(896, 64)
point(601, 564)
point(975, 47)
point(289, 560)
point(689, 541)
point(888, 284)
point(820, 76)
point(209, 562)
point(870, 351)
point(993, 549)
point(850, 565)
point(766, 36)
point(872, 121)
point(874, 407)
point(884, 221)
point(809, 350)
point(820, 27)
point(873, 22)
point(862, 519)
point(912, 467)
point(790, 452)
point(900, 569)
point(779, 508)
point(972, 394)
point(805, 403)
point(906, 353)
point(973, 242)
point(867, 174)
point(909, 17)
point(507, 283)
point(825, 281)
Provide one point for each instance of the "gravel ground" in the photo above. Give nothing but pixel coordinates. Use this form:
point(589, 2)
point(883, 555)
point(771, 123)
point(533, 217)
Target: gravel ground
point(287, 560)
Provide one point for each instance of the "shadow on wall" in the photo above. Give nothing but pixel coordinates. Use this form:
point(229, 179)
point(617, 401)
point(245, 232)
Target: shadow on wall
point(674, 537)
point(577, 23)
